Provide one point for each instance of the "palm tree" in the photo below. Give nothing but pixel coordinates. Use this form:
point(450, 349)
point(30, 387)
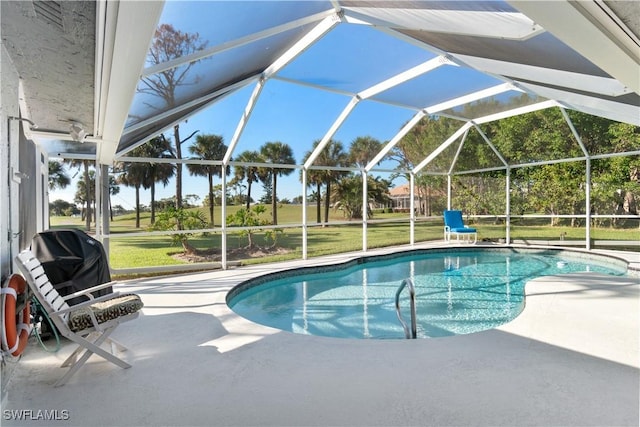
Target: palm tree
point(280, 154)
point(84, 192)
point(132, 174)
point(114, 189)
point(157, 148)
point(333, 154)
point(145, 175)
point(58, 178)
point(250, 173)
point(84, 166)
point(363, 149)
point(314, 178)
point(208, 147)
point(347, 195)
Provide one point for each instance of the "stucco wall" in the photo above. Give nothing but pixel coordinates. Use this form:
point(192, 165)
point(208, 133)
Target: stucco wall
point(8, 188)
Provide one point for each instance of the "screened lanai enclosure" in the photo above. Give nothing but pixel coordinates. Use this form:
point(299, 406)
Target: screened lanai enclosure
point(302, 128)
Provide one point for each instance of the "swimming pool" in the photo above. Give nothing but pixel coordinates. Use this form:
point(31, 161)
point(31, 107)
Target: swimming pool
point(458, 291)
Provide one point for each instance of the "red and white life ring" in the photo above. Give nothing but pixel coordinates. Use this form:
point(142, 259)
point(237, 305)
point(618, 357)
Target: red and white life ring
point(16, 328)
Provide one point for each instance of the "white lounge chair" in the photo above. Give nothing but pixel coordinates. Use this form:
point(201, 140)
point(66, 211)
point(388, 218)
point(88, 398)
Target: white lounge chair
point(88, 323)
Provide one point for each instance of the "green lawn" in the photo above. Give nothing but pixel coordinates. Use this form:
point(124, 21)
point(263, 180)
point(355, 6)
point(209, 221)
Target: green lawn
point(154, 250)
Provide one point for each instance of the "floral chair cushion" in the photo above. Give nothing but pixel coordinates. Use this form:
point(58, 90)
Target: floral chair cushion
point(104, 311)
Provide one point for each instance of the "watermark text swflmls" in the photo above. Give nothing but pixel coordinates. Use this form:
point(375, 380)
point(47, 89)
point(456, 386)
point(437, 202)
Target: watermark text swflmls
point(36, 414)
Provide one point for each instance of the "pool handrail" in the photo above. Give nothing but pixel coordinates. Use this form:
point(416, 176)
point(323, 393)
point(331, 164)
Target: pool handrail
point(412, 301)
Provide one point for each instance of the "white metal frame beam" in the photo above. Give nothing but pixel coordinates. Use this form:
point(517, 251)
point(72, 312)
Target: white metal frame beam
point(475, 123)
point(298, 48)
point(455, 157)
point(397, 137)
point(405, 76)
point(589, 29)
point(485, 93)
point(222, 47)
point(332, 130)
point(472, 97)
point(253, 99)
point(571, 80)
point(490, 144)
point(130, 28)
point(516, 112)
point(450, 104)
point(600, 107)
point(435, 153)
point(490, 24)
point(315, 34)
point(387, 84)
point(588, 104)
point(213, 96)
point(587, 187)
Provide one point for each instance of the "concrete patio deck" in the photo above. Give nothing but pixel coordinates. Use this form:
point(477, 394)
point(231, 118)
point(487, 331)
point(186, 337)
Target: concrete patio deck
point(570, 359)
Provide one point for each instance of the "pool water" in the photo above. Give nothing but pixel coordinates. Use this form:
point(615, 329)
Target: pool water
point(456, 293)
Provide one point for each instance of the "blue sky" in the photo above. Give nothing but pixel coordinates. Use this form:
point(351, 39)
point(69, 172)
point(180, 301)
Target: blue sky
point(294, 114)
point(349, 58)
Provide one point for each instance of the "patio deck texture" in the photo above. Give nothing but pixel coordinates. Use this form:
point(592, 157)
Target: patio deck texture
point(570, 359)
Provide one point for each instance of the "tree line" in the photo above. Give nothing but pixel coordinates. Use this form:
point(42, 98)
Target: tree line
point(537, 139)
point(554, 188)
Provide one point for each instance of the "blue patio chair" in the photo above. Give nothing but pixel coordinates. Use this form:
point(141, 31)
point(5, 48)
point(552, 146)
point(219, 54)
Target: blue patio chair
point(453, 224)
